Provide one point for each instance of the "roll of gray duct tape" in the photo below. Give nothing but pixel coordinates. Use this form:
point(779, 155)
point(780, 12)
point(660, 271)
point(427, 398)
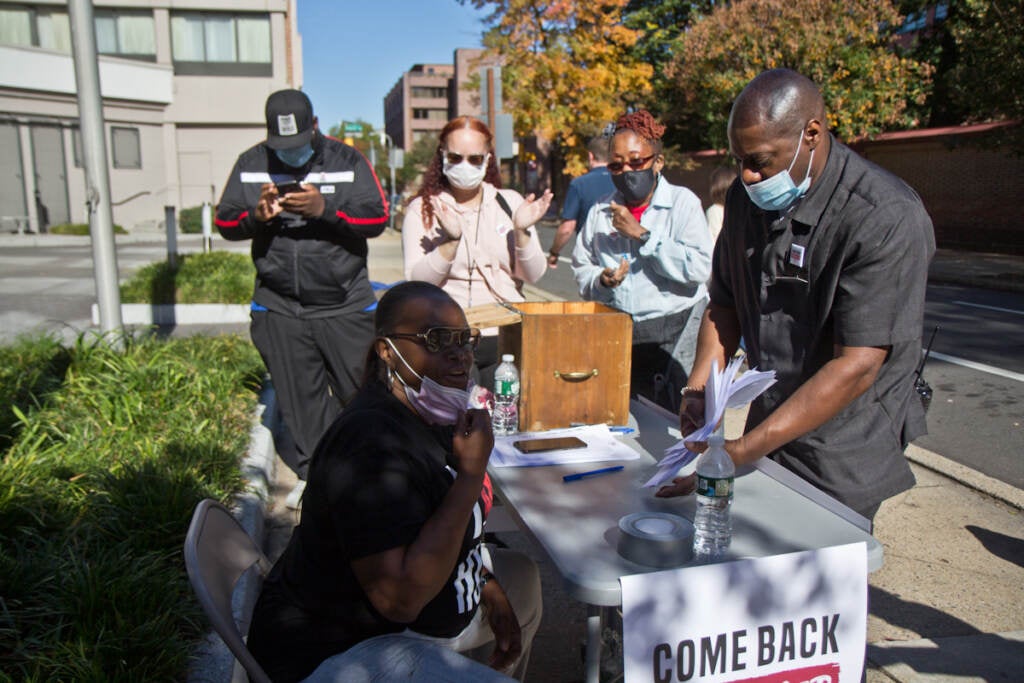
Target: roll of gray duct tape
point(656, 539)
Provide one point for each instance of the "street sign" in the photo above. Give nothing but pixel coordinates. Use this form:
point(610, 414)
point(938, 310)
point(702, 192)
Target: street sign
point(352, 129)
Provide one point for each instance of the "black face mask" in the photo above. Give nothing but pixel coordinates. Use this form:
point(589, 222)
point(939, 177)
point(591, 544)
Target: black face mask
point(635, 186)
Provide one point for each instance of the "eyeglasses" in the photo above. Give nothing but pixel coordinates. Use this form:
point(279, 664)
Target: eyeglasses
point(635, 164)
point(474, 159)
point(443, 338)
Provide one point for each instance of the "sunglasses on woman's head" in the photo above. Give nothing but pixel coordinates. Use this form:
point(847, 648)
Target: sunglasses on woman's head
point(474, 159)
point(443, 338)
point(635, 164)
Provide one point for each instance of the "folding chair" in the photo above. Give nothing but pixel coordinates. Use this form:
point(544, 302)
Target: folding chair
point(218, 551)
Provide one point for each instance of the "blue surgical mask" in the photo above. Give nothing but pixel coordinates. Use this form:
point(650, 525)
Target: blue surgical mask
point(779, 192)
point(297, 157)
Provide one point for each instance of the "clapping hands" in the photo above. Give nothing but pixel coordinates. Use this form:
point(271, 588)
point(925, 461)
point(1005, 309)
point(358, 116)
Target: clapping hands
point(531, 210)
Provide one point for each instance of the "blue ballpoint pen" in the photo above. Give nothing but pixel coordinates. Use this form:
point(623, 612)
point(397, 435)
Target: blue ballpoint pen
point(591, 473)
point(615, 429)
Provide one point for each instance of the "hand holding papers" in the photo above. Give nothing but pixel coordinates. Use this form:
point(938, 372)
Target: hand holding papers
point(601, 443)
point(723, 390)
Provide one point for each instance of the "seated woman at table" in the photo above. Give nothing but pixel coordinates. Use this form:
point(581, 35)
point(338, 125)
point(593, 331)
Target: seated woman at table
point(390, 537)
point(466, 234)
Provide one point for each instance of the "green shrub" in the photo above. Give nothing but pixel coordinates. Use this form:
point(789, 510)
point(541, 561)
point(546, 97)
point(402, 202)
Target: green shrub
point(190, 220)
point(30, 369)
point(79, 229)
point(214, 277)
point(96, 492)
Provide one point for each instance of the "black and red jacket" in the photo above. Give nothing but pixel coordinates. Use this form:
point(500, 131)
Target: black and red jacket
point(308, 267)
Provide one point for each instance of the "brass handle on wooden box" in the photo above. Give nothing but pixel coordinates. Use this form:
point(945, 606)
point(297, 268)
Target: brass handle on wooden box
point(575, 376)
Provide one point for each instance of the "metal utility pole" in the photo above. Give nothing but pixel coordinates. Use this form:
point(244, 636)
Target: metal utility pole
point(393, 160)
point(94, 160)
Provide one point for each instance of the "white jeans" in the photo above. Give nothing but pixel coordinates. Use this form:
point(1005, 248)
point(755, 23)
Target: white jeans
point(395, 657)
point(520, 579)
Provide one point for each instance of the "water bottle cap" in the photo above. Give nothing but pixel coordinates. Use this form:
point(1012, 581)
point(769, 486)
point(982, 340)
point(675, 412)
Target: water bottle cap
point(507, 357)
point(716, 440)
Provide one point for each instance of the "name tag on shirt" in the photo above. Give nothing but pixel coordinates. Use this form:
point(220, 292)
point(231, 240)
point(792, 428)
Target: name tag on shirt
point(327, 189)
point(796, 255)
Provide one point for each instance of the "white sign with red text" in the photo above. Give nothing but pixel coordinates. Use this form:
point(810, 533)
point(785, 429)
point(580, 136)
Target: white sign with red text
point(796, 618)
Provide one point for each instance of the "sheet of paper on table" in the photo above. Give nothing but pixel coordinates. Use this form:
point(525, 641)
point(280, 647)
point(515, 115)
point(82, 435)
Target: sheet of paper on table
point(602, 445)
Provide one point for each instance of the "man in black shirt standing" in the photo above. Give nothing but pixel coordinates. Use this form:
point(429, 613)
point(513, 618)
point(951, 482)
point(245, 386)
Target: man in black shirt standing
point(821, 268)
point(308, 203)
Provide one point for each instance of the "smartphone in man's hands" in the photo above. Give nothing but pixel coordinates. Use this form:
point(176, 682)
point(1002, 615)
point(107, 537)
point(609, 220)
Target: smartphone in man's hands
point(288, 187)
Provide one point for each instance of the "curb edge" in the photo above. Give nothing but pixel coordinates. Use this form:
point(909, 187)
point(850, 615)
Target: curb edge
point(213, 662)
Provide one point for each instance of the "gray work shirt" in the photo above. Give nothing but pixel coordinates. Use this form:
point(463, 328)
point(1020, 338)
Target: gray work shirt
point(847, 265)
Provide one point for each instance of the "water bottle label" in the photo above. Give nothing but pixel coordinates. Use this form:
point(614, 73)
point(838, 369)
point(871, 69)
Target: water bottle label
point(714, 488)
point(507, 387)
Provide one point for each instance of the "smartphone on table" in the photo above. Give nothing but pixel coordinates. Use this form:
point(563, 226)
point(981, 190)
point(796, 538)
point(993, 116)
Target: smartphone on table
point(554, 443)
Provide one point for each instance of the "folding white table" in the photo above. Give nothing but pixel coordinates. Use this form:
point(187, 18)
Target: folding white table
point(576, 523)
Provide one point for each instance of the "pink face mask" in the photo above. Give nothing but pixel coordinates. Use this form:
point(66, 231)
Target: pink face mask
point(435, 403)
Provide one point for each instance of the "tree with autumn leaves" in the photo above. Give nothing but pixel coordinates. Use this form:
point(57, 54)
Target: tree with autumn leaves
point(568, 68)
point(571, 66)
point(844, 47)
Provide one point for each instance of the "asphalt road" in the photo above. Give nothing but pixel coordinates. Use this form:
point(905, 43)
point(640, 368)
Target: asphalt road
point(976, 371)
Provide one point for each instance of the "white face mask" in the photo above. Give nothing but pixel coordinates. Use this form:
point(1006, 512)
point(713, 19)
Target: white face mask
point(464, 175)
point(435, 403)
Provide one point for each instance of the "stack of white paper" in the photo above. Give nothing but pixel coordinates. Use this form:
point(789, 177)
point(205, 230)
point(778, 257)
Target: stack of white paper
point(723, 390)
point(602, 445)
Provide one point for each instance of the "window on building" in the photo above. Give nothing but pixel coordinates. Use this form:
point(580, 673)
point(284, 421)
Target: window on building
point(36, 27)
point(127, 151)
point(428, 91)
point(915, 21)
point(207, 43)
point(430, 114)
point(125, 33)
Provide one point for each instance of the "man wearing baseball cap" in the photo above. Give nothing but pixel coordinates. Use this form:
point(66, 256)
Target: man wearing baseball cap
point(308, 202)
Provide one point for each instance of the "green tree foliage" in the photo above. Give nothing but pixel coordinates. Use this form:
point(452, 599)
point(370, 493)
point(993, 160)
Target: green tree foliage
point(415, 163)
point(987, 80)
point(661, 22)
point(568, 67)
point(978, 59)
point(838, 44)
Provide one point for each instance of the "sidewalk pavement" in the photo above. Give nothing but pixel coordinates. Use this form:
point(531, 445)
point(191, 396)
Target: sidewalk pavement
point(948, 604)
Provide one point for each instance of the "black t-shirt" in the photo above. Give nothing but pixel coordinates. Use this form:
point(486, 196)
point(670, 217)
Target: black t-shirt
point(376, 477)
point(847, 265)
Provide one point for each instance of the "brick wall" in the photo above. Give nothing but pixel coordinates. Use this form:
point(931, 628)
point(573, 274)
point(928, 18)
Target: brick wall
point(974, 195)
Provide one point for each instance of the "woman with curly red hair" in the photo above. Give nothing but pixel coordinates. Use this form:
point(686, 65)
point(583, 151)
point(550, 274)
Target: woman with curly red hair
point(646, 250)
point(465, 234)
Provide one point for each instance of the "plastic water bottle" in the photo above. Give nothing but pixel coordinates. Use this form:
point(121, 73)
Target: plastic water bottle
point(712, 525)
point(506, 397)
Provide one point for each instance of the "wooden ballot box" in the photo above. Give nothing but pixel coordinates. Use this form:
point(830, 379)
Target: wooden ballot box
point(573, 359)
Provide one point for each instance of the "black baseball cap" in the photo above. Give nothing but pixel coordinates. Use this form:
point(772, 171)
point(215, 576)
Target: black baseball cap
point(289, 119)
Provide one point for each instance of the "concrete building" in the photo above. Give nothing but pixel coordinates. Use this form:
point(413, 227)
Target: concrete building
point(183, 86)
point(417, 105)
point(428, 95)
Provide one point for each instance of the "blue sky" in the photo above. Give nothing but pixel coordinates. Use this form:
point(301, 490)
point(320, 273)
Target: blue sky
point(354, 51)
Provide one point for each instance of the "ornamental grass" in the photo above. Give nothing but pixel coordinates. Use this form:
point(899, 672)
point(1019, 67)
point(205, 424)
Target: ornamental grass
point(105, 449)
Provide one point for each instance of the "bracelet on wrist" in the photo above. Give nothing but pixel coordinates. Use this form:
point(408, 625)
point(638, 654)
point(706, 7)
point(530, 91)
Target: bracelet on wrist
point(692, 391)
